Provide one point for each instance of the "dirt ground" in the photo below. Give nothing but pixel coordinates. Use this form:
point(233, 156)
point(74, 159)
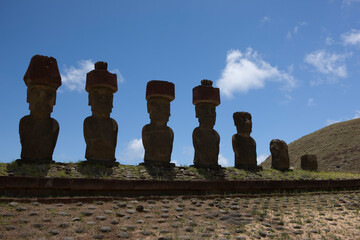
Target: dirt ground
point(328, 215)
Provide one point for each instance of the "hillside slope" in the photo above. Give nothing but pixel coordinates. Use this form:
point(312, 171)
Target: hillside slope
point(337, 148)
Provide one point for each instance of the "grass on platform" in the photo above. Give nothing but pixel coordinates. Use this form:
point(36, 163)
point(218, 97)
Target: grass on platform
point(83, 170)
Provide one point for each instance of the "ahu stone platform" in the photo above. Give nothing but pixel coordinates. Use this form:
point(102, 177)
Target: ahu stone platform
point(79, 179)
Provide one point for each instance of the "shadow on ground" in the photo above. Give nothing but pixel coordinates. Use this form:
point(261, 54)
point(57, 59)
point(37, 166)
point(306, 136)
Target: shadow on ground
point(211, 174)
point(161, 173)
point(94, 170)
point(28, 169)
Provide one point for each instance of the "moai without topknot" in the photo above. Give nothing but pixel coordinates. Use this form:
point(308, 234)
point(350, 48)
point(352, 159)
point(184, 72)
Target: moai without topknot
point(205, 139)
point(100, 131)
point(244, 145)
point(157, 137)
point(38, 131)
point(279, 155)
point(309, 162)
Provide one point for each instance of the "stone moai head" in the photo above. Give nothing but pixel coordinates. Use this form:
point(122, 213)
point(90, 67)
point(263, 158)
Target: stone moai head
point(205, 99)
point(243, 123)
point(42, 79)
point(159, 94)
point(278, 146)
point(101, 86)
point(279, 154)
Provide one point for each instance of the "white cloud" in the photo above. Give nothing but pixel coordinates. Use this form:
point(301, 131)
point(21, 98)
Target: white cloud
point(349, 2)
point(74, 78)
point(245, 71)
point(295, 30)
point(175, 162)
point(224, 162)
point(262, 158)
point(265, 19)
point(332, 121)
point(288, 35)
point(133, 153)
point(329, 41)
point(328, 63)
point(316, 82)
point(351, 38)
point(135, 148)
point(287, 99)
point(357, 114)
point(310, 102)
point(119, 77)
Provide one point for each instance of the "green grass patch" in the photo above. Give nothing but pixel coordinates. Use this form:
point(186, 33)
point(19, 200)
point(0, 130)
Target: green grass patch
point(82, 169)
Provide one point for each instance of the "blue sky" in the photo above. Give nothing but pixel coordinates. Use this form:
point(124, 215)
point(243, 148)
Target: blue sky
point(294, 65)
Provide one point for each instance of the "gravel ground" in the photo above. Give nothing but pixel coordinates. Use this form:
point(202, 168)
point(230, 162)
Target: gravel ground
point(333, 215)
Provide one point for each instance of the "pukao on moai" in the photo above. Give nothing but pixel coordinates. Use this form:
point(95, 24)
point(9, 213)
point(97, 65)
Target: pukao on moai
point(244, 145)
point(279, 155)
point(100, 131)
point(38, 131)
point(205, 139)
point(157, 137)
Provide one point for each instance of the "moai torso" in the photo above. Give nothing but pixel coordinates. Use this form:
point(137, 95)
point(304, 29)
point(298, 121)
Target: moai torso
point(158, 143)
point(38, 138)
point(205, 139)
point(309, 162)
point(245, 152)
point(38, 131)
point(157, 137)
point(206, 145)
point(279, 155)
point(100, 137)
point(244, 145)
point(100, 131)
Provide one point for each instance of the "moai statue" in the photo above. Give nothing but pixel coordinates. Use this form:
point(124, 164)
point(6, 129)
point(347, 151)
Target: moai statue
point(157, 137)
point(205, 139)
point(279, 155)
point(244, 145)
point(100, 131)
point(38, 131)
point(309, 162)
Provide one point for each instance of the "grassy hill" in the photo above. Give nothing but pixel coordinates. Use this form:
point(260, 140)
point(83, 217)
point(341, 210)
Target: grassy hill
point(337, 148)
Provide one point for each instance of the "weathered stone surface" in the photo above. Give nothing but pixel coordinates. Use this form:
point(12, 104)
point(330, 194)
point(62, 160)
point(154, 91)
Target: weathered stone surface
point(205, 139)
point(100, 131)
point(244, 145)
point(164, 89)
point(38, 131)
point(309, 162)
point(206, 93)
point(157, 137)
point(43, 70)
point(100, 77)
point(279, 155)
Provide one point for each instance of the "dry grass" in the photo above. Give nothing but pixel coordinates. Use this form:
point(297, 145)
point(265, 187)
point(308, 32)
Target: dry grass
point(336, 146)
point(129, 172)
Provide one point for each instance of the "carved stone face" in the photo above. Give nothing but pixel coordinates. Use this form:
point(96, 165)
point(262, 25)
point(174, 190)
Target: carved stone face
point(244, 125)
point(206, 114)
point(41, 100)
point(101, 101)
point(159, 109)
point(277, 147)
